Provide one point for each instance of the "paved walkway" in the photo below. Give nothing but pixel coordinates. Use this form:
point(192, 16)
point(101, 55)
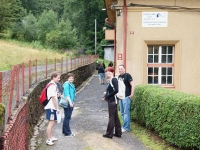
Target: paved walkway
point(89, 123)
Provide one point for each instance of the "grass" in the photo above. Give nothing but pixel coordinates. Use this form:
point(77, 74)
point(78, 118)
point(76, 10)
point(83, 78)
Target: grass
point(15, 52)
point(148, 138)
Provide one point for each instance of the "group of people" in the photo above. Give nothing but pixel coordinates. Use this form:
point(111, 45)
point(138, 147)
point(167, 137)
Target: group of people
point(54, 93)
point(110, 97)
point(102, 70)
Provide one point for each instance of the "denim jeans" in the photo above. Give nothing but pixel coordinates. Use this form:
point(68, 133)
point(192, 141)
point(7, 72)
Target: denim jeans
point(125, 111)
point(68, 113)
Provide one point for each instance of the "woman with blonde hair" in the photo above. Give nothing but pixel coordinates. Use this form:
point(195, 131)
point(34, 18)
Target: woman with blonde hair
point(110, 97)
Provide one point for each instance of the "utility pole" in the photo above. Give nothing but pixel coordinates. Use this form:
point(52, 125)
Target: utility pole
point(95, 36)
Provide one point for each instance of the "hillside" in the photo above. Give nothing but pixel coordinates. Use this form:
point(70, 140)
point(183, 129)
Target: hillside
point(12, 53)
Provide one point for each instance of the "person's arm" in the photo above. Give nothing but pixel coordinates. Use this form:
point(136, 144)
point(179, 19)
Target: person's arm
point(55, 103)
point(115, 90)
point(67, 94)
point(132, 89)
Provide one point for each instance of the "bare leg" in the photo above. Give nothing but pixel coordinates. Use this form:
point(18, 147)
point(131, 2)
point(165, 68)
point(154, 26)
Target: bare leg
point(50, 129)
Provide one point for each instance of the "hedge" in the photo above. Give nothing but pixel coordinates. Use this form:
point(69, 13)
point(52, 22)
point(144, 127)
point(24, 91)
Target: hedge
point(174, 115)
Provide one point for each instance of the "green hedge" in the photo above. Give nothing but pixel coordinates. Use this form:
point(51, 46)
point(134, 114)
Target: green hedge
point(174, 115)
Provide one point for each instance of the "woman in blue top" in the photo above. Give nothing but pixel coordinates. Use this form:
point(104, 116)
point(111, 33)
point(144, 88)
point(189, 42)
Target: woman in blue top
point(69, 93)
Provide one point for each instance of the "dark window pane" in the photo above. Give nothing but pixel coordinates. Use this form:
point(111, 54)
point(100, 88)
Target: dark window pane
point(170, 49)
point(155, 58)
point(169, 72)
point(169, 58)
point(155, 79)
point(156, 71)
point(163, 80)
point(150, 71)
point(156, 48)
point(150, 80)
point(169, 80)
point(150, 49)
point(163, 59)
point(164, 72)
point(150, 58)
point(164, 49)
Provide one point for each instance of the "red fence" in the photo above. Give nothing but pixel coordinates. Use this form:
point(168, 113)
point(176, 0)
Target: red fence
point(15, 83)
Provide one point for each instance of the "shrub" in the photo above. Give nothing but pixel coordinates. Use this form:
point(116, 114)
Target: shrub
point(173, 115)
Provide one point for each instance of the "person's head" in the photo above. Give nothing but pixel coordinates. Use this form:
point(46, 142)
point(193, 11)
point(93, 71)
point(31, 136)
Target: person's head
point(109, 75)
point(101, 65)
point(70, 77)
point(121, 69)
point(109, 65)
point(55, 76)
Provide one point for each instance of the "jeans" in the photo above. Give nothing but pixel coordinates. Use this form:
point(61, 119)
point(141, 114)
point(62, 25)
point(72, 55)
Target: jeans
point(125, 111)
point(68, 113)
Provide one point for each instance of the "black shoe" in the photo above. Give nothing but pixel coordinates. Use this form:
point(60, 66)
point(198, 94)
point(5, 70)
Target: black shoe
point(106, 136)
point(119, 136)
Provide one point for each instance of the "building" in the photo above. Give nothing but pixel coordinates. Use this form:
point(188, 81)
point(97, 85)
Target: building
point(157, 41)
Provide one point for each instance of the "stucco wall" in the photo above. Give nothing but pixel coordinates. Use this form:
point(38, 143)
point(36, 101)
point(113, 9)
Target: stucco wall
point(182, 31)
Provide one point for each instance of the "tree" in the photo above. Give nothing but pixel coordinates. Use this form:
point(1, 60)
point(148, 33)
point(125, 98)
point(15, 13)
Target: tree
point(10, 12)
point(64, 37)
point(46, 23)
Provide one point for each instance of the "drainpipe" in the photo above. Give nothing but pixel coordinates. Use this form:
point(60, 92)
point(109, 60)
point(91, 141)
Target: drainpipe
point(125, 32)
point(110, 24)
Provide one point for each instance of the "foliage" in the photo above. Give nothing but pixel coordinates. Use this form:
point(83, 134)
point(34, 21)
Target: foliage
point(63, 37)
point(172, 114)
point(10, 12)
point(46, 23)
point(26, 29)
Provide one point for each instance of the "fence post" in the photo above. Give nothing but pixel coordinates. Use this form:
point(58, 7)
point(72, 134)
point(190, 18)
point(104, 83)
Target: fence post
point(55, 64)
point(23, 78)
point(11, 94)
point(71, 63)
point(36, 70)
point(17, 85)
point(66, 64)
point(29, 74)
point(46, 67)
point(61, 65)
point(1, 85)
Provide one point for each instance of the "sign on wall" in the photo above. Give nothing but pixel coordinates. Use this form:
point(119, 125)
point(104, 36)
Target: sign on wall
point(119, 56)
point(154, 19)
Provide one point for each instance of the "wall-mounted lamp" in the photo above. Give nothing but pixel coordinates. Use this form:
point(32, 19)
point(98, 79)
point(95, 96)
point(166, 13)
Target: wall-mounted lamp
point(119, 12)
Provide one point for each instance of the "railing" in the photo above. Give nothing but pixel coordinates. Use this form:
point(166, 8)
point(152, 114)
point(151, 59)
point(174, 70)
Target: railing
point(16, 82)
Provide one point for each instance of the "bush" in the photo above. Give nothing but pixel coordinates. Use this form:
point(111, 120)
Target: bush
point(173, 115)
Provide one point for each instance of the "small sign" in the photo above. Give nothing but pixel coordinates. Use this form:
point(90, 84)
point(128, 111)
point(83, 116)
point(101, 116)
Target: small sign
point(154, 19)
point(119, 56)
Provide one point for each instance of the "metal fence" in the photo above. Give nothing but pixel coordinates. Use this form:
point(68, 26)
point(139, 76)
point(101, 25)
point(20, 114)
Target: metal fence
point(16, 82)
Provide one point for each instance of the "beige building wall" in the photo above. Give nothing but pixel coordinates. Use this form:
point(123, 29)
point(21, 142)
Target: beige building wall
point(183, 31)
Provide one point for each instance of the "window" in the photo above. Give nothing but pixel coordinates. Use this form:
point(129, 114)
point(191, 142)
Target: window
point(160, 65)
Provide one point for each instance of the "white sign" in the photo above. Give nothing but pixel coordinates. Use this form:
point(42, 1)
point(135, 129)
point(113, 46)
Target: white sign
point(154, 19)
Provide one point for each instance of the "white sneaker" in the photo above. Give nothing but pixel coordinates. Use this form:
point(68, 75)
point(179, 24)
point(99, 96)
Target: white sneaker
point(54, 139)
point(71, 135)
point(49, 142)
point(123, 130)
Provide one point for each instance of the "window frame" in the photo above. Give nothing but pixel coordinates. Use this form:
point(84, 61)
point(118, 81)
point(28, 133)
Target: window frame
point(161, 65)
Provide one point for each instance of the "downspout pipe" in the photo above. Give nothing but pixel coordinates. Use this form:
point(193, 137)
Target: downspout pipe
point(110, 24)
point(125, 32)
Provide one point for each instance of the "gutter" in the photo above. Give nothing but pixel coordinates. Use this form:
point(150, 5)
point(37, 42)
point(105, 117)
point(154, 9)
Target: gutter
point(125, 32)
point(110, 24)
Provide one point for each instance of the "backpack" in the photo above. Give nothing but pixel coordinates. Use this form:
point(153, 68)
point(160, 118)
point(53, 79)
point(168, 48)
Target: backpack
point(121, 89)
point(43, 96)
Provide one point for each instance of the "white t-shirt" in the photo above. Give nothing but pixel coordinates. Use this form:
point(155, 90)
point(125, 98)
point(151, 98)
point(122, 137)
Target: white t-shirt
point(51, 91)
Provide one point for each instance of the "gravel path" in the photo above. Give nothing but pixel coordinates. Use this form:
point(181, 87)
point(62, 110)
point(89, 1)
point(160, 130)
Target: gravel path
point(89, 123)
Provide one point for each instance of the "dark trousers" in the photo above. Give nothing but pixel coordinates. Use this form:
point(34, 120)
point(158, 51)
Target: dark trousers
point(68, 113)
point(113, 120)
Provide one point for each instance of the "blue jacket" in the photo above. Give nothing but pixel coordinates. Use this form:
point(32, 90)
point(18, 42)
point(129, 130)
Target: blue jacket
point(69, 90)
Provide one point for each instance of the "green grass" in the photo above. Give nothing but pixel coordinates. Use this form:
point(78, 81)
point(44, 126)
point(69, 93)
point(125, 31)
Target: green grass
point(15, 52)
point(148, 138)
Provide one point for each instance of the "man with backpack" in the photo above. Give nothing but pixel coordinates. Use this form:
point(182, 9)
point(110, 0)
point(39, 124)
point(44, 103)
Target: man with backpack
point(125, 103)
point(51, 107)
